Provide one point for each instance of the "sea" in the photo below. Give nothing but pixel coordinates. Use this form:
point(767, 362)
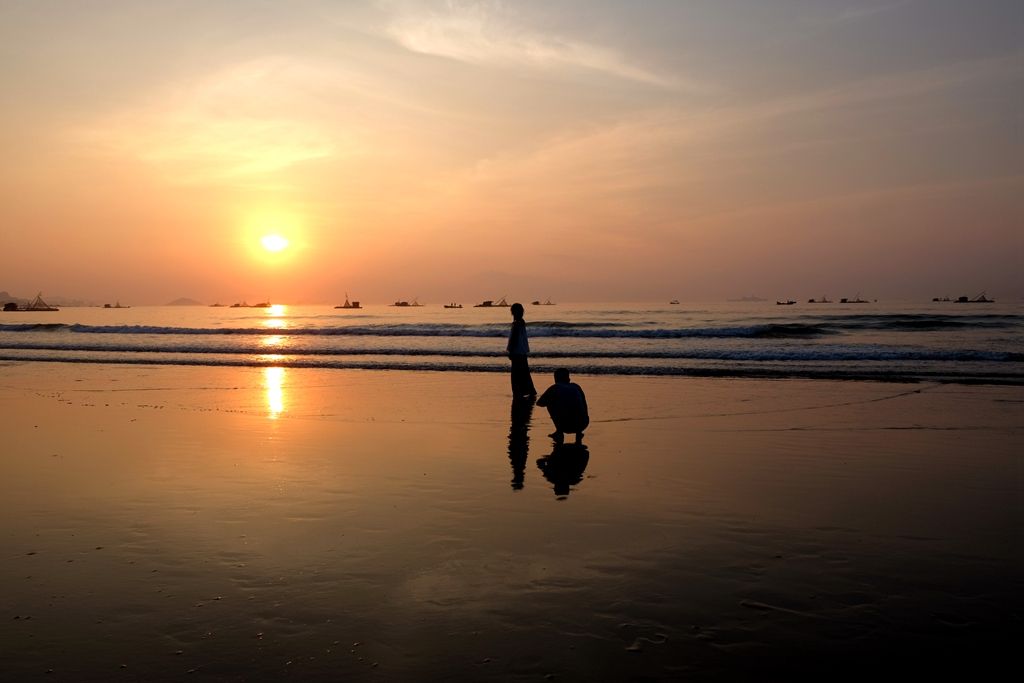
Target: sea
point(976, 343)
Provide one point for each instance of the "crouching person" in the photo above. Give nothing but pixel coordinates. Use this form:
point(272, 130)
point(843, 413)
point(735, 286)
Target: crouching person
point(567, 405)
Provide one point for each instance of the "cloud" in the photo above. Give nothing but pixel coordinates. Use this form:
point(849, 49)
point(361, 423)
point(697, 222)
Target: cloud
point(241, 121)
point(485, 33)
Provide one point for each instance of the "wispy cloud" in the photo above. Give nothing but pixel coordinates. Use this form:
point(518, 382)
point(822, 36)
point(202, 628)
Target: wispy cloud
point(484, 32)
point(670, 163)
point(237, 123)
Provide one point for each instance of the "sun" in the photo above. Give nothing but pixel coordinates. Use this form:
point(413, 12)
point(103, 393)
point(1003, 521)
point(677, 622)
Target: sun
point(274, 243)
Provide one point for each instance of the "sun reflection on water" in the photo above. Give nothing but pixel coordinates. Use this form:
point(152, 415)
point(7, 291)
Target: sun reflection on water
point(275, 317)
point(273, 383)
point(274, 341)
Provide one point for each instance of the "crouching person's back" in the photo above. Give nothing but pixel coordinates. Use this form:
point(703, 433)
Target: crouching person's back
point(567, 405)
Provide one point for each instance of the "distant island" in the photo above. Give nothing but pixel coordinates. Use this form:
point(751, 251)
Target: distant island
point(184, 301)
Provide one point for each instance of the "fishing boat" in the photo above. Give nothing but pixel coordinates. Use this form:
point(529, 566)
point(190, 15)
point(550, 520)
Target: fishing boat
point(262, 304)
point(546, 303)
point(489, 303)
point(854, 300)
point(453, 305)
point(34, 306)
point(116, 305)
point(787, 302)
point(674, 302)
point(349, 304)
point(822, 300)
point(405, 304)
point(980, 299)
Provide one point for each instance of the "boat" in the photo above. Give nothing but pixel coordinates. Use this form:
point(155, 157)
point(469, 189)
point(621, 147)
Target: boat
point(262, 304)
point(117, 305)
point(980, 299)
point(217, 305)
point(787, 302)
point(349, 304)
point(941, 298)
point(674, 302)
point(34, 306)
point(545, 303)
point(500, 303)
point(405, 304)
point(822, 300)
point(854, 300)
point(453, 305)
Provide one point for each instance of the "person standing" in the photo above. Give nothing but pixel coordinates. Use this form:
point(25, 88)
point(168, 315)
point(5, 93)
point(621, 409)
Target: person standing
point(518, 350)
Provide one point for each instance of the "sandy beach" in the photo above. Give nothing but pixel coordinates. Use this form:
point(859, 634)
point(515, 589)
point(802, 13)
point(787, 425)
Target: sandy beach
point(163, 523)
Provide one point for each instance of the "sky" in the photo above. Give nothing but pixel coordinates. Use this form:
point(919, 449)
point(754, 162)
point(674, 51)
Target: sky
point(584, 150)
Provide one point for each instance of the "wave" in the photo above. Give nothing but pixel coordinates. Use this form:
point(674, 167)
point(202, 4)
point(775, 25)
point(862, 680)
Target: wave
point(550, 329)
point(917, 321)
point(803, 353)
point(944, 375)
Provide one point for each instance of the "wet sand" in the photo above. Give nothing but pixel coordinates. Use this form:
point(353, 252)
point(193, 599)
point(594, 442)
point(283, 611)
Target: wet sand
point(244, 524)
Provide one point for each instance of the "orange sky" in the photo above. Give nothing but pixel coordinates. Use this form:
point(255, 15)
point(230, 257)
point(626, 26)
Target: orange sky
point(469, 150)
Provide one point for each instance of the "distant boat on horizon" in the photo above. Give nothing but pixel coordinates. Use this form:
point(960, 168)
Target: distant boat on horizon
point(116, 305)
point(453, 305)
point(674, 302)
point(787, 302)
point(980, 299)
point(37, 305)
point(822, 300)
point(854, 300)
point(546, 303)
point(349, 304)
point(405, 304)
point(489, 303)
point(262, 304)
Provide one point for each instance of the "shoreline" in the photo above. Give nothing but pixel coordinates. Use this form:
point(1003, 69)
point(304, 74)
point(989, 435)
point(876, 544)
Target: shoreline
point(543, 368)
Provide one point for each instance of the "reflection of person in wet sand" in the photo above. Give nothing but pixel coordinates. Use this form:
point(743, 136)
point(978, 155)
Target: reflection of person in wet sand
point(518, 350)
point(567, 405)
point(565, 466)
point(519, 440)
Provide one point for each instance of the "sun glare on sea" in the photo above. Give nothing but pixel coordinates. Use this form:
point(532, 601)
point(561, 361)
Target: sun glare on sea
point(274, 243)
point(273, 382)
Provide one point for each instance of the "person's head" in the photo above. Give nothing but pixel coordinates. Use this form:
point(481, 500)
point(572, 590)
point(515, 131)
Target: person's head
point(517, 311)
point(562, 376)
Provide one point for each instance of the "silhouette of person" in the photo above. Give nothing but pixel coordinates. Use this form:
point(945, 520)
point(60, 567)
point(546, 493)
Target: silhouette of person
point(518, 349)
point(519, 440)
point(567, 405)
point(564, 467)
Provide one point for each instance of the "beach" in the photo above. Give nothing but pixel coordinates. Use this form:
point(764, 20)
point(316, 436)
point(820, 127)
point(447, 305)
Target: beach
point(267, 523)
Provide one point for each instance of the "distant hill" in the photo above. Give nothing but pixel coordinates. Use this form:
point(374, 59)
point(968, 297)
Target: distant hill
point(184, 301)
